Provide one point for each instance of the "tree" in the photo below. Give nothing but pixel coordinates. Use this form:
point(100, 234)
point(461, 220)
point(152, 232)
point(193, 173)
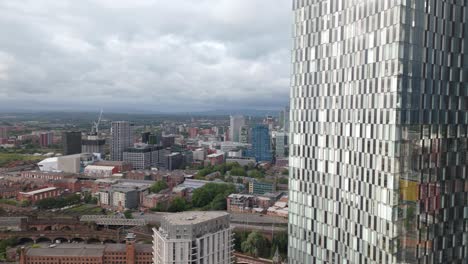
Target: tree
point(256, 245)
point(159, 208)
point(255, 174)
point(178, 205)
point(239, 237)
point(158, 186)
point(128, 214)
point(238, 171)
point(211, 196)
point(280, 242)
point(283, 180)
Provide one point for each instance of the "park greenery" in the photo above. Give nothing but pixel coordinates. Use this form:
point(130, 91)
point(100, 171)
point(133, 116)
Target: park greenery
point(212, 196)
point(178, 204)
point(7, 158)
point(257, 245)
point(59, 202)
point(231, 168)
point(158, 186)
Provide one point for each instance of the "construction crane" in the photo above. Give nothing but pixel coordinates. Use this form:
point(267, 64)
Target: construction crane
point(95, 128)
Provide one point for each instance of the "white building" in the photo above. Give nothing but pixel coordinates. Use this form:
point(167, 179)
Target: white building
point(199, 154)
point(237, 122)
point(99, 171)
point(193, 237)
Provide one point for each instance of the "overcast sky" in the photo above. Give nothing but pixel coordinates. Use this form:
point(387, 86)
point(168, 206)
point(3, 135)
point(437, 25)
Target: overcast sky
point(154, 55)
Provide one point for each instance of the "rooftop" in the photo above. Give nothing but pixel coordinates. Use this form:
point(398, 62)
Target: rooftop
point(59, 251)
point(39, 191)
point(99, 167)
point(193, 217)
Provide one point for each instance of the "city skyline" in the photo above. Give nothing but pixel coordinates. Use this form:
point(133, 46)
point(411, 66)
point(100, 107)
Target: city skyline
point(144, 55)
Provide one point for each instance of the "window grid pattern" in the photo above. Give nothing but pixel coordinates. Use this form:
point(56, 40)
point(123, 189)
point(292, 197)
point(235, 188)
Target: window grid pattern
point(378, 139)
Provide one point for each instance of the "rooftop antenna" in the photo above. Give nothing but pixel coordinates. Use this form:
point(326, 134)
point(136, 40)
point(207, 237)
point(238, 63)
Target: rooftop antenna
point(95, 128)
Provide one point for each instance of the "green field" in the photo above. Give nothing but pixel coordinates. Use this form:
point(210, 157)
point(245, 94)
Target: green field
point(84, 209)
point(6, 158)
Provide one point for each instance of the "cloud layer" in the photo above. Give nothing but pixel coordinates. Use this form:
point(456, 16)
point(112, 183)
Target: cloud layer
point(154, 55)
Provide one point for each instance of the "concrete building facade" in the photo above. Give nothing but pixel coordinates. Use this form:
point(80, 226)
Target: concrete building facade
point(193, 237)
point(121, 139)
point(236, 123)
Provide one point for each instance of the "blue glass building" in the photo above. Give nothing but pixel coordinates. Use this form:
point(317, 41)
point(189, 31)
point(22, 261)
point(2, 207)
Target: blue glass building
point(261, 145)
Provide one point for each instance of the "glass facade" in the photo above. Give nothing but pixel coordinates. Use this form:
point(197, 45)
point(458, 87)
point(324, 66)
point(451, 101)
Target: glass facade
point(378, 143)
point(261, 143)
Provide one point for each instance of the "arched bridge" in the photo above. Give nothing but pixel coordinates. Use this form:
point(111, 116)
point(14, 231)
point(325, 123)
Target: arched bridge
point(103, 236)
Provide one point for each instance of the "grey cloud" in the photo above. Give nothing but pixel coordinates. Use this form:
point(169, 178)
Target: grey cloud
point(153, 55)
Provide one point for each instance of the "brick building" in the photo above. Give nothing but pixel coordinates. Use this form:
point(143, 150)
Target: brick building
point(37, 195)
point(122, 166)
point(45, 175)
point(128, 253)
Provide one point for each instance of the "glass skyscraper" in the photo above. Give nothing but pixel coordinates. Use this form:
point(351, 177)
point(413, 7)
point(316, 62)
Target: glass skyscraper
point(378, 145)
point(261, 143)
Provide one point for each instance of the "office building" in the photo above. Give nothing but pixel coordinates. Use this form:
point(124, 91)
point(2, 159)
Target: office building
point(281, 145)
point(145, 137)
point(261, 144)
point(121, 139)
point(167, 141)
point(71, 141)
point(256, 187)
point(244, 136)
point(154, 139)
point(236, 122)
point(378, 149)
point(143, 156)
point(193, 237)
point(174, 161)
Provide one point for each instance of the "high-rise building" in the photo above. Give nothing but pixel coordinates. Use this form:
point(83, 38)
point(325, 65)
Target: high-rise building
point(261, 143)
point(244, 136)
point(145, 137)
point(46, 139)
point(286, 119)
point(281, 145)
point(237, 122)
point(93, 144)
point(193, 237)
point(4, 132)
point(167, 141)
point(378, 149)
point(71, 141)
point(143, 156)
point(155, 139)
point(121, 139)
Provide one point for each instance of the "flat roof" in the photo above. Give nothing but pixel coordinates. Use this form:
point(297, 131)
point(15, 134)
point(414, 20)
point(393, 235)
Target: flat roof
point(215, 155)
point(69, 252)
point(99, 167)
point(193, 217)
point(39, 191)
